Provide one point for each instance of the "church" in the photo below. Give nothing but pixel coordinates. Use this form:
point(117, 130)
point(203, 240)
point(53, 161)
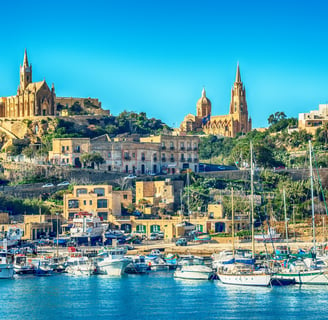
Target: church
point(237, 121)
point(32, 98)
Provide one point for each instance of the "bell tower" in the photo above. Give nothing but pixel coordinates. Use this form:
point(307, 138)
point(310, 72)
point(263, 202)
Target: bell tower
point(238, 104)
point(25, 73)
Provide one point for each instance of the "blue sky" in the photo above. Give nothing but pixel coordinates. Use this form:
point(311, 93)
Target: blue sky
point(156, 56)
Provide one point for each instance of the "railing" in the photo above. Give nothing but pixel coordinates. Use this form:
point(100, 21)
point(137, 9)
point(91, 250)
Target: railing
point(143, 158)
point(127, 158)
point(195, 160)
point(163, 159)
point(172, 159)
point(163, 148)
point(189, 160)
point(171, 148)
point(182, 148)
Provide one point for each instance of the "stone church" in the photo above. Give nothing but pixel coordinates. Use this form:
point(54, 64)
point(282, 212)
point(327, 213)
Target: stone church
point(237, 121)
point(32, 98)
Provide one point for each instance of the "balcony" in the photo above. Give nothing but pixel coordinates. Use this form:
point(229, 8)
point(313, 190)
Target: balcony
point(189, 160)
point(127, 157)
point(163, 159)
point(182, 148)
point(182, 159)
point(172, 159)
point(163, 148)
point(172, 148)
point(189, 148)
point(195, 160)
point(143, 158)
point(195, 148)
point(155, 159)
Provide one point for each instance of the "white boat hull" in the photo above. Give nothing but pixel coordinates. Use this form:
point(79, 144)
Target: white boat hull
point(262, 280)
point(113, 267)
point(194, 272)
point(305, 277)
point(79, 270)
point(6, 271)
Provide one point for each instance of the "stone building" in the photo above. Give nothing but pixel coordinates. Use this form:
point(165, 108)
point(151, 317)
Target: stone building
point(314, 119)
point(237, 121)
point(161, 194)
point(101, 200)
point(32, 98)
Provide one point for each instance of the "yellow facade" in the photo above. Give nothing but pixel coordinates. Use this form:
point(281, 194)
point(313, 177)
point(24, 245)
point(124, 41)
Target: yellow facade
point(313, 120)
point(98, 199)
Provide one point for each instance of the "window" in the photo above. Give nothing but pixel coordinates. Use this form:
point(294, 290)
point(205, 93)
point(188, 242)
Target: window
point(73, 204)
point(77, 149)
point(102, 203)
point(109, 154)
point(81, 191)
point(67, 148)
point(103, 215)
point(99, 191)
point(85, 202)
point(90, 202)
point(133, 155)
point(63, 149)
point(125, 196)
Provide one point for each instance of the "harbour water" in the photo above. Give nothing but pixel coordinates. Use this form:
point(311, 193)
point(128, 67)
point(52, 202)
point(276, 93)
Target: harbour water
point(154, 296)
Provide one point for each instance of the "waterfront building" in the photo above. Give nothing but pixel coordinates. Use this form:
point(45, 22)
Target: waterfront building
point(100, 200)
point(314, 119)
point(237, 121)
point(159, 194)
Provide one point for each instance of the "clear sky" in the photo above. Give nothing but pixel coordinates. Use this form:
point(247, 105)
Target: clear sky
point(155, 56)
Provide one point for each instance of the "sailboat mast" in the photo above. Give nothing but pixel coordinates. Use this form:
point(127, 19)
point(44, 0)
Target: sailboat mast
point(252, 199)
point(232, 224)
point(312, 196)
point(286, 221)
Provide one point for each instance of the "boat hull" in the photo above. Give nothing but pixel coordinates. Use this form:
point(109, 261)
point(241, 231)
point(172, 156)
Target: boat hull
point(6, 271)
point(316, 277)
point(261, 280)
point(113, 267)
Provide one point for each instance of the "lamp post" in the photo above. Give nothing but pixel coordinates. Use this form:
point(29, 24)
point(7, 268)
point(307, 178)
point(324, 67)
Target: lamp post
point(57, 214)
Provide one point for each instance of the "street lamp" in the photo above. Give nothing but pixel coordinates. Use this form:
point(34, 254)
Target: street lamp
point(57, 214)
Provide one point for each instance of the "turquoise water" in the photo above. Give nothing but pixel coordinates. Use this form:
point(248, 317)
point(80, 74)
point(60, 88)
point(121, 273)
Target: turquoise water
point(154, 296)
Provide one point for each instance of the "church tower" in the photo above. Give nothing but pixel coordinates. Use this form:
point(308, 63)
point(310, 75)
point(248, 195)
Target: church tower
point(25, 73)
point(238, 105)
point(203, 106)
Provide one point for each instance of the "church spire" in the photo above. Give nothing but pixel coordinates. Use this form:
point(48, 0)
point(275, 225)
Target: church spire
point(204, 93)
point(238, 78)
point(25, 63)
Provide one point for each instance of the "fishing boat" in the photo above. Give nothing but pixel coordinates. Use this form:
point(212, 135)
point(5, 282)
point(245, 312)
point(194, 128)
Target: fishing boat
point(42, 267)
point(271, 235)
point(87, 229)
point(22, 265)
point(6, 265)
point(137, 265)
point(194, 269)
point(111, 261)
point(79, 266)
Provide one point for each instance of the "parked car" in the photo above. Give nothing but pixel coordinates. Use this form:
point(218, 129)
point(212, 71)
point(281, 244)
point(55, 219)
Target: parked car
point(130, 176)
point(48, 185)
point(181, 242)
point(154, 236)
point(63, 184)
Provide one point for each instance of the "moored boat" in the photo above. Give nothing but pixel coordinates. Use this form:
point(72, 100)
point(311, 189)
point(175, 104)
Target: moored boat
point(6, 266)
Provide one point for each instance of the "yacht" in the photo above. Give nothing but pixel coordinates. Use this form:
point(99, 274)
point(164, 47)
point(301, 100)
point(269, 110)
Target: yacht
point(6, 266)
point(194, 269)
point(87, 228)
point(111, 261)
point(244, 275)
point(79, 266)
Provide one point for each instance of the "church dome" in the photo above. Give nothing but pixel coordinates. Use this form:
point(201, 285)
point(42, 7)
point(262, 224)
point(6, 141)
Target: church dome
point(204, 100)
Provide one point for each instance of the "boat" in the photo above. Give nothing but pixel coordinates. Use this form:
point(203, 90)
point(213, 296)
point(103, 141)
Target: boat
point(137, 265)
point(271, 235)
point(171, 260)
point(42, 267)
point(87, 229)
point(79, 266)
point(11, 237)
point(305, 270)
point(156, 263)
point(111, 261)
point(22, 265)
point(244, 275)
point(6, 265)
point(194, 269)
point(241, 273)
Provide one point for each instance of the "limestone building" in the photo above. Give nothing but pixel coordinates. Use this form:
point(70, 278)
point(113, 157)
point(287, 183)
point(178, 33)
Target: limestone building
point(226, 125)
point(314, 119)
point(32, 98)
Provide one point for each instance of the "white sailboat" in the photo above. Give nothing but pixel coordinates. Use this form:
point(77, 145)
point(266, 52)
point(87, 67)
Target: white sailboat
point(299, 271)
point(238, 273)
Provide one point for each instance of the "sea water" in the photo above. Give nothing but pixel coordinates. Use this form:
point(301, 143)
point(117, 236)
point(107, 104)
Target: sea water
point(154, 296)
